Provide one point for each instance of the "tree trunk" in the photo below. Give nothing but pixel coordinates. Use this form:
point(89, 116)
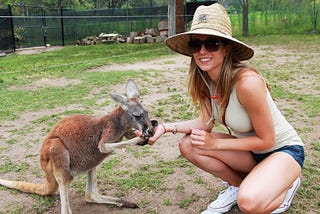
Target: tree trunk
point(245, 14)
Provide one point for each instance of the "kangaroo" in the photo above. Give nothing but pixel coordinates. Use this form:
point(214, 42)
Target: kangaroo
point(78, 143)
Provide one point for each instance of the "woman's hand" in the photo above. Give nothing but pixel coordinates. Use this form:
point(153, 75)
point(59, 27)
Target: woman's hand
point(158, 132)
point(203, 139)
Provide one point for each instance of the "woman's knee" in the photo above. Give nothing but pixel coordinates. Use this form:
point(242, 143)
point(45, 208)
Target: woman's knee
point(246, 203)
point(250, 201)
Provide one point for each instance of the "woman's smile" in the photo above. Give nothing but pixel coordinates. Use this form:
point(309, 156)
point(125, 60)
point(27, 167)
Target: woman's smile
point(205, 60)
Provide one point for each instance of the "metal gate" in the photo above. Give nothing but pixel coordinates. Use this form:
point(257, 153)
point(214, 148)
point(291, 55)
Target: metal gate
point(36, 26)
point(6, 32)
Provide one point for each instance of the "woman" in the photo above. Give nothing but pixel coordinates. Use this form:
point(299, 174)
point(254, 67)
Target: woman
point(263, 160)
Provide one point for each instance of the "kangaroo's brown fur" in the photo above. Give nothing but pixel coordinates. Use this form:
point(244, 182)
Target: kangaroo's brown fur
point(77, 144)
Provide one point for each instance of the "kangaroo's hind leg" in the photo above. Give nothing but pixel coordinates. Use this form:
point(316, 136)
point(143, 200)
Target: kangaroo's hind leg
point(60, 158)
point(93, 196)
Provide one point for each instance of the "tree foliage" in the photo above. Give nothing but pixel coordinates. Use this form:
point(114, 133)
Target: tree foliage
point(235, 6)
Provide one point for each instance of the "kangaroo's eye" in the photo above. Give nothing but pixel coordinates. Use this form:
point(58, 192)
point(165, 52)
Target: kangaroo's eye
point(138, 117)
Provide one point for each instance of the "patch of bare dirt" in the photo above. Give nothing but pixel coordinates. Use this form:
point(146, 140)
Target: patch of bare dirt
point(278, 60)
point(35, 50)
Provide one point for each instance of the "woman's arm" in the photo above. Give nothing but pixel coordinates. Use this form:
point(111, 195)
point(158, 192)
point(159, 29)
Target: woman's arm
point(178, 127)
point(184, 126)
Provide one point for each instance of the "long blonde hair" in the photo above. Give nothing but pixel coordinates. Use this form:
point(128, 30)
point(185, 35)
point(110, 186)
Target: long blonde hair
point(199, 91)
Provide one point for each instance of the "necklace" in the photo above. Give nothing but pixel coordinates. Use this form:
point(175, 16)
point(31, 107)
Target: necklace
point(213, 96)
point(214, 106)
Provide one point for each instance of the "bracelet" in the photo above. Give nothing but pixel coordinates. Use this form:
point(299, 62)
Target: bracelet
point(164, 128)
point(175, 129)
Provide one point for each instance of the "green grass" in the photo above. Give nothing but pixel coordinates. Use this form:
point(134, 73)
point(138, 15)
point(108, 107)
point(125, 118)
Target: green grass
point(9, 166)
point(147, 177)
point(72, 63)
point(288, 19)
point(43, 202)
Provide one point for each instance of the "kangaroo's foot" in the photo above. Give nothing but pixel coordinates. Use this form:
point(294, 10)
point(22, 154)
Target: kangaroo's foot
point(101, 199)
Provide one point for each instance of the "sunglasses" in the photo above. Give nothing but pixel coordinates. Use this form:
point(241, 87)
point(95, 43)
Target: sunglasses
point(211, 45)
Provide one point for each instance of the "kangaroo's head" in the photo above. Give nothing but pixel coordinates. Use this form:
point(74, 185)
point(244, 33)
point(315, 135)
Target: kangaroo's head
point(137, 116)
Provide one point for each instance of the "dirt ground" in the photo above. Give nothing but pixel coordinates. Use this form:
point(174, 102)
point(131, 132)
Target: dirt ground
point(174, 74)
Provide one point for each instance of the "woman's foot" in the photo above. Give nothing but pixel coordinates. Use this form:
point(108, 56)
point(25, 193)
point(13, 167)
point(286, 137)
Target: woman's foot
point(225, 201)
point(289, 197)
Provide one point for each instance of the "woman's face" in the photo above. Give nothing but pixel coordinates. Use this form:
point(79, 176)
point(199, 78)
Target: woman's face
point(208, 59)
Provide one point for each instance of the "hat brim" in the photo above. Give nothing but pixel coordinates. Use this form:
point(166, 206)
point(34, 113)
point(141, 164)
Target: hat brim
point(179, 43)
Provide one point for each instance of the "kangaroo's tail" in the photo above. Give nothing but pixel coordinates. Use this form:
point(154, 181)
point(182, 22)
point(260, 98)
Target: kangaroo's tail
point(40, 189)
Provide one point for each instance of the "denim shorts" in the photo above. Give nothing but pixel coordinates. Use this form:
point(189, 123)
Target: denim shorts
point(296, 151)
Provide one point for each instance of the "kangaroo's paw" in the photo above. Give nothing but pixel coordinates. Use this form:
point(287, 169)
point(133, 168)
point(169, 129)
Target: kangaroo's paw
point(106, 149)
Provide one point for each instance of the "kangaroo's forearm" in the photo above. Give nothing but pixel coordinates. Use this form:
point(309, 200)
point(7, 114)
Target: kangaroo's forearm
point(105, 147)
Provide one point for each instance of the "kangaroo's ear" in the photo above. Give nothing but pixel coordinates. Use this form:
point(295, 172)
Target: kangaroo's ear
point(122, 100)
point(132, 90)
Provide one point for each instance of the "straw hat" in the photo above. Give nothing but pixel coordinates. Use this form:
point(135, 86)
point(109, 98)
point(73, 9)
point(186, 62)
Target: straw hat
point(210, 20)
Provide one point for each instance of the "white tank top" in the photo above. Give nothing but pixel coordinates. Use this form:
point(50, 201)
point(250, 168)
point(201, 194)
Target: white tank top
point(237, 118)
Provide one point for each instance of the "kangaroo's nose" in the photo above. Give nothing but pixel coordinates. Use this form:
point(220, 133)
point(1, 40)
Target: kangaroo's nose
point(150, 130)
point(154, 123)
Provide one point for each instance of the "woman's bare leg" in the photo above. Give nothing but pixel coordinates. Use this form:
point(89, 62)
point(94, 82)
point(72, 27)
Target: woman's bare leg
point(265, 187)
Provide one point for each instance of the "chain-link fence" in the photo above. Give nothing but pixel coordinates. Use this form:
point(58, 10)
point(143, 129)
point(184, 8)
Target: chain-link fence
point(79, 24)
point(37, 26)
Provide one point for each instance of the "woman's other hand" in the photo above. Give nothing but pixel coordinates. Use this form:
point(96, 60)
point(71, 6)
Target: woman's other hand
point(202, 139)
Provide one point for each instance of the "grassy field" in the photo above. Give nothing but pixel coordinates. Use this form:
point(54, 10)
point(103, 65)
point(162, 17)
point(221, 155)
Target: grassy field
point(68, 63)
point(39, 89)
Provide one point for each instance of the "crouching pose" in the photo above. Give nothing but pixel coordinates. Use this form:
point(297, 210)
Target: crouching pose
point(262, 160)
